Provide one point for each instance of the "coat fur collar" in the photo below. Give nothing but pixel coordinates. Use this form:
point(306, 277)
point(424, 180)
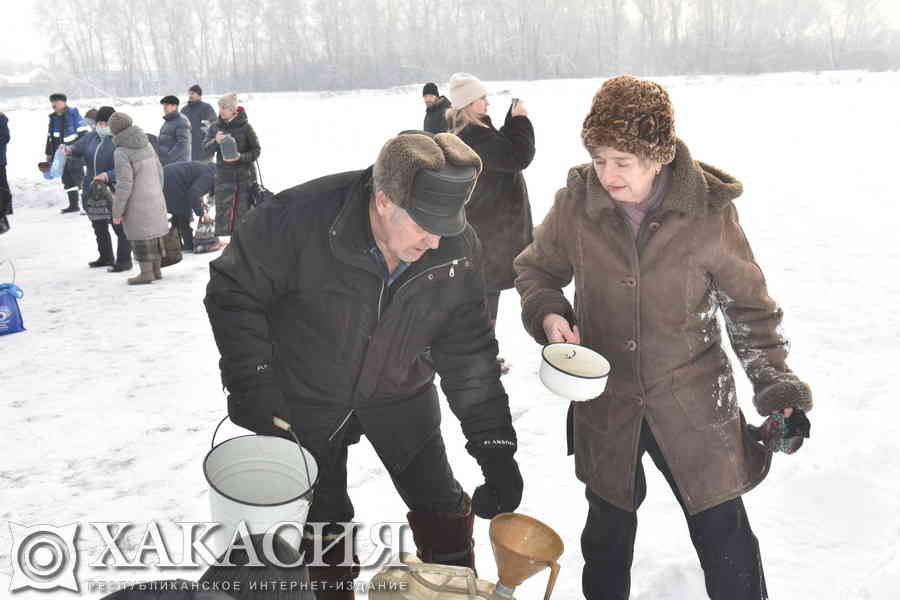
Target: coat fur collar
point(697, 188)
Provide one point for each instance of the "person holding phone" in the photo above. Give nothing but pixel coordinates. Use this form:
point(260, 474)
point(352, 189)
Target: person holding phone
point(499, 209)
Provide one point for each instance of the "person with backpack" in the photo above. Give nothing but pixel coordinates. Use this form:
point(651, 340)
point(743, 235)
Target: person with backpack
point(234, 143)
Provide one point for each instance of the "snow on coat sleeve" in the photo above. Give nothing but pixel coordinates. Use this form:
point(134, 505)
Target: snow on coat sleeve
point(753, 321)
point(543, 269)
point(465, 356)
point(124, 182)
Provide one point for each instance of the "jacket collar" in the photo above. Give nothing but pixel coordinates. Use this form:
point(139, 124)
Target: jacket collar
point(697, 188)
point(351, 234)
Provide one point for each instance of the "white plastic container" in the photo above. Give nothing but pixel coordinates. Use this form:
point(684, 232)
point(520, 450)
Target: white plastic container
point(261, 480)
point(573, 372)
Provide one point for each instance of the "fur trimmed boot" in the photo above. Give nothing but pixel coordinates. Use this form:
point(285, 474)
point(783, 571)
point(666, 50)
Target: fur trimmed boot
point(145, 276)
point(157, 269)
point(335, 581)
point(445, 538)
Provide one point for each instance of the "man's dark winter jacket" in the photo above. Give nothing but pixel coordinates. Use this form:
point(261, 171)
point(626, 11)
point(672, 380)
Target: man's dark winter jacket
point(201, 115)
point(4, 138)
point(64, 129)
point(302, 315)
point(499, 209)
point(96, 152)
point(436, 116)
point(174, 138)
point(185, 185)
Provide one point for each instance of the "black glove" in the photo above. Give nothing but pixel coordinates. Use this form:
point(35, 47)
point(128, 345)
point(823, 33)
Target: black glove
point(782, 434)
point(502, 488)
point(255, 410)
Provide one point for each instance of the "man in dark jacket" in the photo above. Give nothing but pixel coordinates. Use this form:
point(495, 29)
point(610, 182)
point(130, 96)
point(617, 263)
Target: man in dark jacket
point(185, 185)
point(96, 150)
point(175, 133)
point(333, 307)
point(65, 128)
point(201, 115)
point(435, 109)
point(5, 190)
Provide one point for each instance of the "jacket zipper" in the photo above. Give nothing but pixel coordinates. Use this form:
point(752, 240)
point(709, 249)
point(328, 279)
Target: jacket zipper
point(452, 264)
point(350, 413)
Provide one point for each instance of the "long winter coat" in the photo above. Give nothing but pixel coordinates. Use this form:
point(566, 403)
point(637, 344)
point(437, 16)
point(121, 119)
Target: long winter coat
point(301, 309)
point(236, 182)
point(186, 185)
point(174, 138)
point(650, 307)
point(139, 186)
point(201, 115)
point(499, 209)
point(436, 116)
point(98, 153)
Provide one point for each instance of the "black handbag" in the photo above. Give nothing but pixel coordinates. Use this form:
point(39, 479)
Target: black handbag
point(171, 247)
point(260, 193)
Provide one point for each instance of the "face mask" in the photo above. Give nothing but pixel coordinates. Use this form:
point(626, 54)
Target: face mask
point(104, 130)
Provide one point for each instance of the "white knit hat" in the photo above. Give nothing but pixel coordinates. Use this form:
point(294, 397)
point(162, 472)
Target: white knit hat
point(229, 101)
point(465, 89)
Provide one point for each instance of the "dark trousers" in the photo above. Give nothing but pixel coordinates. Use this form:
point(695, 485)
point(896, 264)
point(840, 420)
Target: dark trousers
point(725, 544)
point(73, 173)
point(427, 484)
point(183, 223)
point(104, 242)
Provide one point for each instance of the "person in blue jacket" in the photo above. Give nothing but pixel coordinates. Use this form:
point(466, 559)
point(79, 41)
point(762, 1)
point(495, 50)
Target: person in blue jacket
point(96, 150)
point(185, 185)
point(175, 133)
point(66, 127)
point(5, 190)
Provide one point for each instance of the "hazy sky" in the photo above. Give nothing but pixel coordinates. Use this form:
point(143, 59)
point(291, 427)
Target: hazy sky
point(25, 39)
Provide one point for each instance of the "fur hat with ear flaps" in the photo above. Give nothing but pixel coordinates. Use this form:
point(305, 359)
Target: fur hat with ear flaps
point(632, 115)
point(403, 156)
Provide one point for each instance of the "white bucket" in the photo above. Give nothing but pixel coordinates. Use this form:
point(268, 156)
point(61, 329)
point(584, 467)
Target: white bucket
point(261, 480)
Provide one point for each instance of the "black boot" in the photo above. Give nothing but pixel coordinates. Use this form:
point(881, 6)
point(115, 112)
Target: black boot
point(100, 262)
point(120, 267)
point(444, 538)
point(73, 202)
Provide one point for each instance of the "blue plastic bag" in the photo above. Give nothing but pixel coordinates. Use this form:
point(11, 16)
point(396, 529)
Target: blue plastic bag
point(58, 165)
point(10, 315)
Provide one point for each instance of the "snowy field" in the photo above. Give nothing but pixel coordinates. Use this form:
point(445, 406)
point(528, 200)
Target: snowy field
point(108, 401)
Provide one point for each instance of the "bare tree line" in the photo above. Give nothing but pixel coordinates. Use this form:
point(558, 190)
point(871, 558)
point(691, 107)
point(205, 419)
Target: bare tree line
point(147, 47)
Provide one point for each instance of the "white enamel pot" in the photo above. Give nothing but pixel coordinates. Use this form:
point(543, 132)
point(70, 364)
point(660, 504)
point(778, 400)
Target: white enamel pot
point(574, 372)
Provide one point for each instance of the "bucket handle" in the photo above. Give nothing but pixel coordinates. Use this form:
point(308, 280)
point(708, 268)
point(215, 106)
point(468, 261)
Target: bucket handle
point(281, 424)
point(448, 571)
point(551, 582)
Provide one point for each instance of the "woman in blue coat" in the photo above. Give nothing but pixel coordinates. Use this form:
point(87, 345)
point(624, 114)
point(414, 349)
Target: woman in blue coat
point(96, 150)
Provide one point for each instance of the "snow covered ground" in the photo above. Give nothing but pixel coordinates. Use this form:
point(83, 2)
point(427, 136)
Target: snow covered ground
point(108, 401)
